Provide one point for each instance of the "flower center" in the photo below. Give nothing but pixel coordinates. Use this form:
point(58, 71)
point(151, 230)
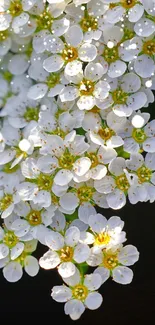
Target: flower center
point(6, 201)
point(31, 114)
point(85, 193)
point(111, 54)
point(66, 160)
point(44, 182)
point(70, 54)
point(44, 20)
point(94, 160)
point(34, 218)
point(122, 182)
point(149, 47)
point(106, 133)
point(66, 254)
point(139, 135)
point(144, 174)
point(102, 239)
point(110, 261)
point(119, 96)
point(80, 292)
point(53, 79)
point(86, 87)
point(89, 23)
point(15, 8)
point(3, 35)
point(127, 4)
point(10, 239)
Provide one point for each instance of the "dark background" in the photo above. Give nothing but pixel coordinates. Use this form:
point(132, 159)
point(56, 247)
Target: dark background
point(132, 304)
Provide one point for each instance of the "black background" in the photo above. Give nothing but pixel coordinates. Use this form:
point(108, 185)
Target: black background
point(122, 304)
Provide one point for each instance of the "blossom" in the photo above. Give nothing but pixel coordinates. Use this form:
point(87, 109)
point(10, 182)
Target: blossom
point(114, 263)
point(64, 251)
point(79, 295)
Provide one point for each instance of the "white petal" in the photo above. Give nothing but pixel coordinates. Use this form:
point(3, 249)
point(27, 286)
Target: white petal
point(103, 272)
point(66, 269)
point(94, 71)
point(13, 272)
point(116, 199)
point(149, 145)
point(61, 293)
point(122, 274)
point(144, 27)
point(117, 69)
point(6, 156)
point(73, 68)
point(63, 177)
point(54, 240)
point(137, 100)
point(81, 166)
point(20, 227)
point(74, 308)
point(101, 90)
point(105, 185)
point(18, 64)
point(128, 255)
point(70, 35)
point(144, 66)
point(130, 82)
point(135, 13)
point(60, 26)
point(53, 63)
point(4, 251)
point(95, 258)
point(37, 91)
point(81, 253)
point(17, 250)
point(117, 166)
point(87, 52)
point(72, 236)
point(49, 260)
point(93, 281)
point(69, 93)
point(31, 265)
point(97, 222)
point(74, 279)
point(94, 300)
point(69, 201)
point(86, 102)
point(85, 211)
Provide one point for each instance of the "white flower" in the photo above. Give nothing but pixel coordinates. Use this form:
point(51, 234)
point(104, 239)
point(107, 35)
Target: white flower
point(64, 251)
point(114, 263)
point(89, 18)
point(127, 95)
point(70, 53)
point(79, 295)
point(139, 138)
point(66, 156)
point(88, 86)
point(133, 9)
point(142, 171)
point(106, 233)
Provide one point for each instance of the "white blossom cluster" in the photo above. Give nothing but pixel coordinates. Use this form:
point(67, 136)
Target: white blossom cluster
point(74, 76)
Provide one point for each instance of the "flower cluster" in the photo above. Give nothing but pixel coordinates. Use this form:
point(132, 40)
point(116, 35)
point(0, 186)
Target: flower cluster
point(74, 76)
